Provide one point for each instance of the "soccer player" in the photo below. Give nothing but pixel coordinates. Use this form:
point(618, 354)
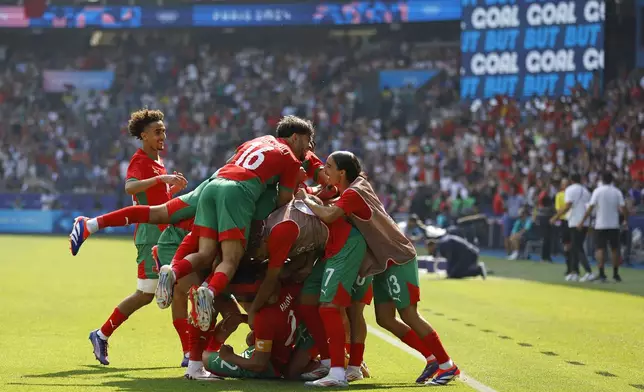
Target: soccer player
point(227, 204)
point(334, 278)
point(275, 335)
point(290, 231)
point(148, 183)
point(394, 264)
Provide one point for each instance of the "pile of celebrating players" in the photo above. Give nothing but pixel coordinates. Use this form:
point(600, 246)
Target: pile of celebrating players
point(253, 244)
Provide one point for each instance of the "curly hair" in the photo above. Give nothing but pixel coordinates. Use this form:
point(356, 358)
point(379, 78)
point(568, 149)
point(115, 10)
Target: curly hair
point(141, 119)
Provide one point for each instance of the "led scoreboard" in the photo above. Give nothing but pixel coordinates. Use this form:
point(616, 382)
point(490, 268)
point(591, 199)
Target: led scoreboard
point(526, 48)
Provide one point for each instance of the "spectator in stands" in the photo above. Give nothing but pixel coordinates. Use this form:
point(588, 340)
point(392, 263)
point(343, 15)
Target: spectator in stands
point(519, 234)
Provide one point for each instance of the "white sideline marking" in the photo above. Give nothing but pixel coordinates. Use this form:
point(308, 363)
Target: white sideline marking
point(473, 383)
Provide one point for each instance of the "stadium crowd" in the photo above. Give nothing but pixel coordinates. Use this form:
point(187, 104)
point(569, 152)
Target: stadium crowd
point(413, 143)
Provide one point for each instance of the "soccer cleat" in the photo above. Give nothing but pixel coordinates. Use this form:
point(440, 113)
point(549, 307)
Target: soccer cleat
point(78, 235)
point(201, 310)
point(100, 347)
point(354, 373)
point(155, 257)
point(184, 361)
point(366, 373)
point(327, 381)
point(443, 377)
point(165, 287)
point(430, 369)
point(201, 375)
point(318, 373)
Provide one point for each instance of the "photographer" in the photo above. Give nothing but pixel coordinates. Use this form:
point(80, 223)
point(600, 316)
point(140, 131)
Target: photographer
point(461, 256)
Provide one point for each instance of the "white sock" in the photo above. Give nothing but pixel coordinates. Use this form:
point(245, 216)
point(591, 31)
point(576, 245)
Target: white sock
point(338, 373)
point(194, 366)
point(92, 225)
point(186, 355)
point(446, 365)
point(102, 335)
point(431, 358)
point(354, 368)
point(326, 362)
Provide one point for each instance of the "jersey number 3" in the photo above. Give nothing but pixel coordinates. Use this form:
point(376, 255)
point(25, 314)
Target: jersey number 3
point(253, 157)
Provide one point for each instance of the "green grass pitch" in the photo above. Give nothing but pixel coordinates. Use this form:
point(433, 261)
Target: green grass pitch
point(523, 329)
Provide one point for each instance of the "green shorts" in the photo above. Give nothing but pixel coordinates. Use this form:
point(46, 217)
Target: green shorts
point(221, 368)
point(185, 206)
point(169, 242)
point(266, 204)
point(225, 209)
point(362, 290)
point(398, 283)
point(303, 341)
point(333, 278)
point(147, 272)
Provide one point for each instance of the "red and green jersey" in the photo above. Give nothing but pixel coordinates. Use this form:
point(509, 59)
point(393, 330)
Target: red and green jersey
point(267, 159)
point(351, 203)
point(276, 327)
point(141, 168)
point(312, 164)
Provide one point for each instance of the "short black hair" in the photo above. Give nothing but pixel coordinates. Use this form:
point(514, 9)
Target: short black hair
point(141, 119)
point(347, 161)
point(575, 177)
point(607, 177)
point(289, 125)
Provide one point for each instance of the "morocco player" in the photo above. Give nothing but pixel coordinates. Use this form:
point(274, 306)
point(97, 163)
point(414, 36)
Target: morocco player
point(227, 204)
point(148, 183)
point(393, 263)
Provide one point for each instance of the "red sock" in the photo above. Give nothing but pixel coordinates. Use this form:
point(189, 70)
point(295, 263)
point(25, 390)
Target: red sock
point(181, 268)
point(357, 354)
point(197, 343)
point(332, 320)
point(181, 326)
point(347, 348)
point(218, 283)
point(189, 245)
point(310, 316)
point(412, 340)
point(114, 321)
point(433, 342)
point(124, 217)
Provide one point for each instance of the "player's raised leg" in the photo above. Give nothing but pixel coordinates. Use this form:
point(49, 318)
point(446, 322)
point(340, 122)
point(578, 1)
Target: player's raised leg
point(173, 211)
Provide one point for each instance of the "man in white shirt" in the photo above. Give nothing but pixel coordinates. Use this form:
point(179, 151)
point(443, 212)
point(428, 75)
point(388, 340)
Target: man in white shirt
point(609, 202)
point(576, 196)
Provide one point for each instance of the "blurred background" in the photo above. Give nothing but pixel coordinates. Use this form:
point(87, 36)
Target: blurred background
point(456, 108)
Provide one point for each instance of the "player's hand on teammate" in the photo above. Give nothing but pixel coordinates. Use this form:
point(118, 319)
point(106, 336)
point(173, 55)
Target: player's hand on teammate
point(301, 194)
point(226, 352)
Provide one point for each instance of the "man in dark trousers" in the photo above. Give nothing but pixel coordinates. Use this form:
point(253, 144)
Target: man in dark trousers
point(462, 257)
